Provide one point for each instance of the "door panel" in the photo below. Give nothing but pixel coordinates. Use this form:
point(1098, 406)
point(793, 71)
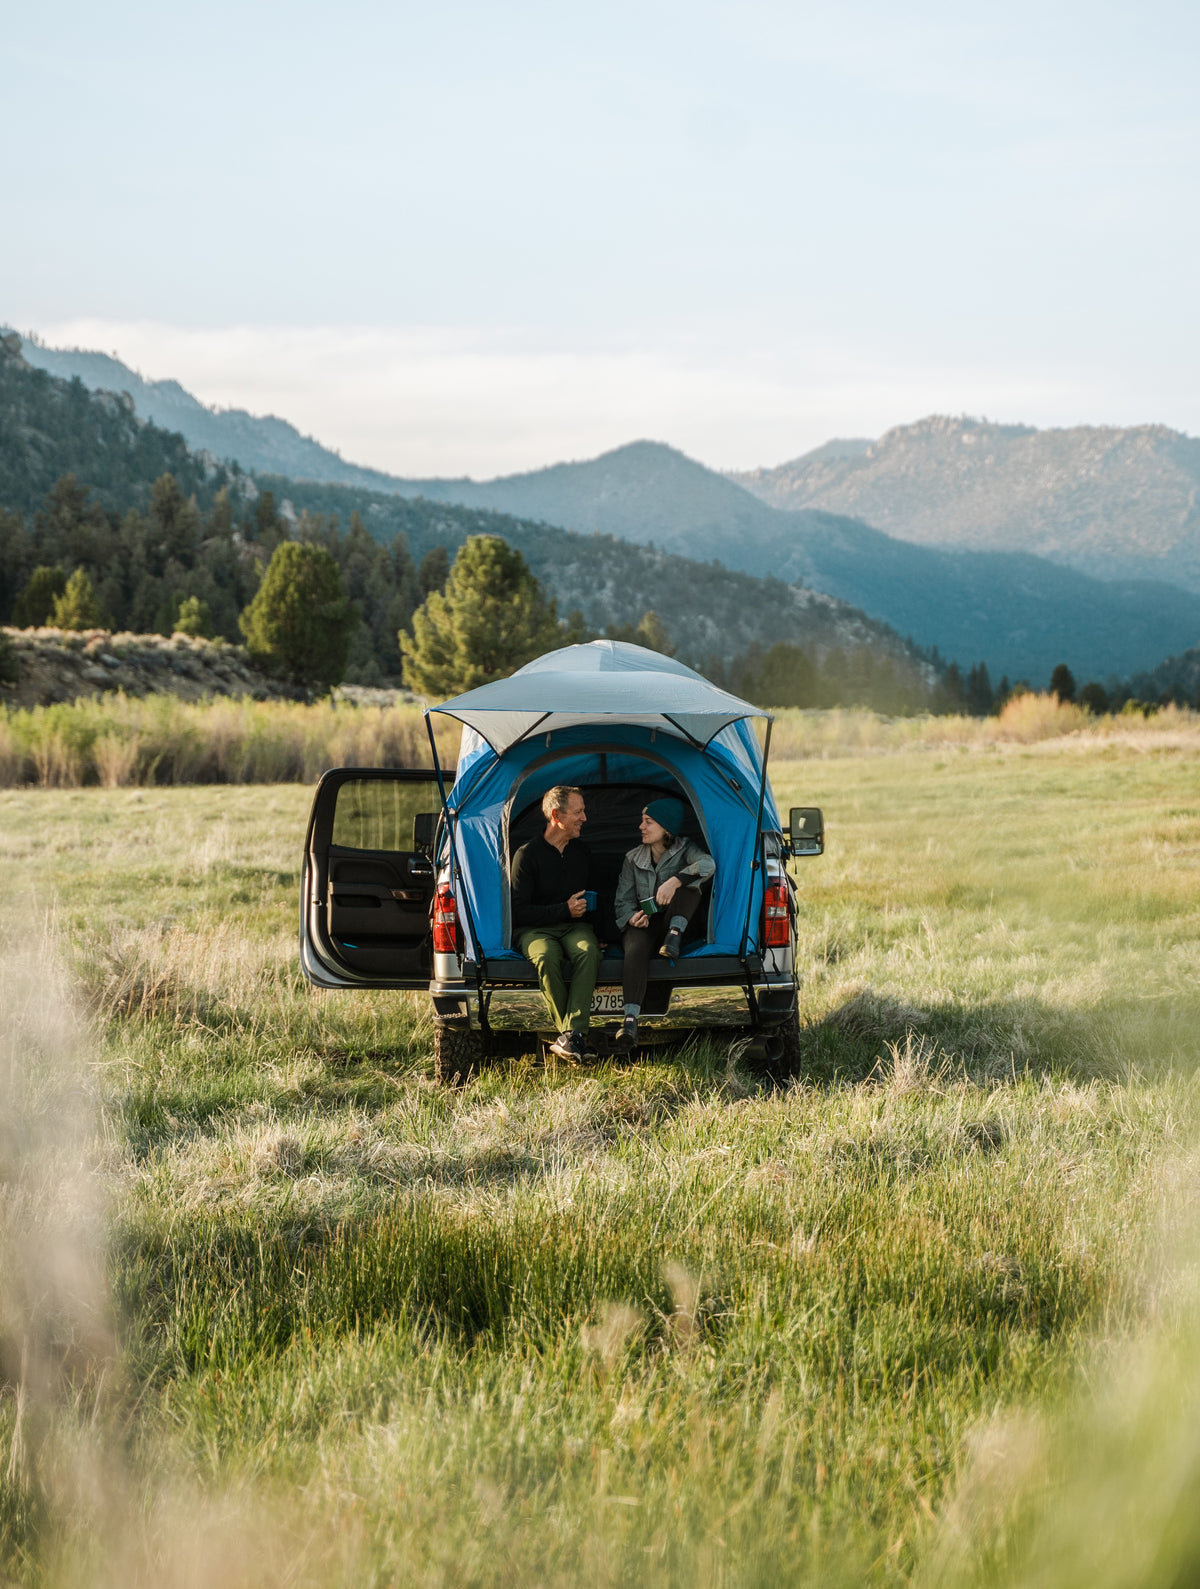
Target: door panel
point(377, 911)
point(368, 879)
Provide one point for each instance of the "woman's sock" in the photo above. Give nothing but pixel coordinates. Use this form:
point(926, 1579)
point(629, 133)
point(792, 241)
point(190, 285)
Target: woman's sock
point(677, 923)
point(632, 1010)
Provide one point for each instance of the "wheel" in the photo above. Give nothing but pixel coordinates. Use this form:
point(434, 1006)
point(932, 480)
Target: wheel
point(458, 1054)
point(788, 1064)
point(780, 1056)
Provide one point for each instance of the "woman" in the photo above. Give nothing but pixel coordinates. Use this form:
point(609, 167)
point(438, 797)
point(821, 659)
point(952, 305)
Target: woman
point(667, 872)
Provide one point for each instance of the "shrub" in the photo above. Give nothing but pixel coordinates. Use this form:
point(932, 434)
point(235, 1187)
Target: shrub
point(1035, 717)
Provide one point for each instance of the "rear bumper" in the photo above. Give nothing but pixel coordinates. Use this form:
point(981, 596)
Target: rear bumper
point(713, 993)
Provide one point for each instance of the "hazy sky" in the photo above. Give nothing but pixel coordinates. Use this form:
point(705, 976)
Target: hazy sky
point(477, 238)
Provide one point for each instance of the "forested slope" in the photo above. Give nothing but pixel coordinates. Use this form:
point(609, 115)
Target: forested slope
point(1021, 614)
point(163, 523)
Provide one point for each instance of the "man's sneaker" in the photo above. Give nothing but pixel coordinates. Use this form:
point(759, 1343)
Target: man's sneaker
point(626, 1039)
point(568, 1045)
point(672, 944)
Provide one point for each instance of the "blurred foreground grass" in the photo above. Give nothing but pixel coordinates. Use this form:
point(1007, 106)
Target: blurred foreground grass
point(928, 1316)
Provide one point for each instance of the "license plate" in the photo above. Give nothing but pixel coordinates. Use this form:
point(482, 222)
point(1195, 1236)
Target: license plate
point(608, 1001)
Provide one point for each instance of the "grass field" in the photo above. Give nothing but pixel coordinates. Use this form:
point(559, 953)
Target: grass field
point(278, 1310)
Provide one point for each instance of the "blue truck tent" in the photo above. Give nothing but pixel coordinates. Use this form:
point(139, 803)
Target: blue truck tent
point(607, 714)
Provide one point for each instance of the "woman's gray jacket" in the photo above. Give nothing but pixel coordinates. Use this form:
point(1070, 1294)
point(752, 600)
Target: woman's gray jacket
point(640, 877)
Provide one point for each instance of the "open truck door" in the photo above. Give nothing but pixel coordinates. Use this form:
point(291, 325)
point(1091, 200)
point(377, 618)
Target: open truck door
point(369, 874)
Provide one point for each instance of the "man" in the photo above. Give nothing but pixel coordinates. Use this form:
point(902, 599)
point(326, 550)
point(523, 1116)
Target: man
point(549, 904)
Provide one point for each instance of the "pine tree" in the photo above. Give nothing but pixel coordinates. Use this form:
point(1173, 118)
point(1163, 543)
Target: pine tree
point(299, 623)
point(77, 607)
point(649, 631)
point(1062, 683)
point(175, 519)
point(10, 663)
point(492, 618)
point(193, 618)
point(652, 633)
point(35, 604)
point(433, 572)
point(786, 676)
point(980, 697)
point(949, 696)
point(269, 528)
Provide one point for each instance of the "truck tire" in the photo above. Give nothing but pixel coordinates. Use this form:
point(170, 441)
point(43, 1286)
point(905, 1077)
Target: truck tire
point(788, 1064)
point(783, 1057)
point(457, 1055)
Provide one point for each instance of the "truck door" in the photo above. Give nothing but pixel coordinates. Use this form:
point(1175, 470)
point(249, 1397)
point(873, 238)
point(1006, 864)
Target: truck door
point(368, 879)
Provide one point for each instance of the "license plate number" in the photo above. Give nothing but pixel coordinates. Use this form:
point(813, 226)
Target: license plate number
point(609, 1001)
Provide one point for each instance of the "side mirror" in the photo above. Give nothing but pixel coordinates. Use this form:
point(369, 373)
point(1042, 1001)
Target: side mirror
point(424, 831)
point(806, 826)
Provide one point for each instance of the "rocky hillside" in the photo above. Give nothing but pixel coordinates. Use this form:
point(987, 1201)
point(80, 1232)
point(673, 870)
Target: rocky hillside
point(58, 665)
point(1114, 503)
point(50, 428)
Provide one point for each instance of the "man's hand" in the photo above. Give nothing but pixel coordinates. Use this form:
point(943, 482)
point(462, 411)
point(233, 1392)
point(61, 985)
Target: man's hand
point(577, 905)
point(667, 891)
point(639, 919)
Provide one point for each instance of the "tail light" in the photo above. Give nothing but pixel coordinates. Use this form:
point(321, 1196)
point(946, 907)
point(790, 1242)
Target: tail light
point(447, 939)
point(775, 914)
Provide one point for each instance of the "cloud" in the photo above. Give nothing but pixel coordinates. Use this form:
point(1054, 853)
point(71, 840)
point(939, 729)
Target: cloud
point(424, 401)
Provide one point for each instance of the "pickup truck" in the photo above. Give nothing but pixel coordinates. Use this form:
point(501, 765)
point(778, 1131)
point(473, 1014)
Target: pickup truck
point(406, 871)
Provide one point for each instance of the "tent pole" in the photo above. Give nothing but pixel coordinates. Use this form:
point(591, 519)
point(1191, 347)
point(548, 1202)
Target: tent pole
point(449, 821)
point(762, 795)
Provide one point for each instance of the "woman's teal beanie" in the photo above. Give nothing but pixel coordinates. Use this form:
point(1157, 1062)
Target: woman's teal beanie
point(667, 812)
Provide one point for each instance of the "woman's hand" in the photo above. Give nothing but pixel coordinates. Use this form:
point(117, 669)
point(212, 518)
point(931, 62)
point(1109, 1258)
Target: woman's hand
point(667, 891)
point(639, 919)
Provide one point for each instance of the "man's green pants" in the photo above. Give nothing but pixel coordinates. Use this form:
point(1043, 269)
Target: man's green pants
point(567, 960)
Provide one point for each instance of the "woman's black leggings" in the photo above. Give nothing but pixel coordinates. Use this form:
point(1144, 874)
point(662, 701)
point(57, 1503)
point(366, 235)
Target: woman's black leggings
point(642, 942)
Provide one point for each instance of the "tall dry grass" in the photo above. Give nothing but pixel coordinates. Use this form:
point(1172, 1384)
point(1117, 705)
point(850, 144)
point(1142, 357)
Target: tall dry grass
point(118, 740)
point(160, 739)
point(1024, 720)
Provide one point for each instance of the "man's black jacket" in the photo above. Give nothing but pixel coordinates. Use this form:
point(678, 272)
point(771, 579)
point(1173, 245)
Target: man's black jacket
point(544, 878)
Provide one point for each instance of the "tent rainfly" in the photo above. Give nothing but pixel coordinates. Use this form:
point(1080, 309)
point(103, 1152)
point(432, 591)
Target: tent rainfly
point(604, 681)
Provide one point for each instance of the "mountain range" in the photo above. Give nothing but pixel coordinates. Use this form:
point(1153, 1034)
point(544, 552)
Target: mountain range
point(141, 560)
point(1003, 603)
point(1116, 503)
